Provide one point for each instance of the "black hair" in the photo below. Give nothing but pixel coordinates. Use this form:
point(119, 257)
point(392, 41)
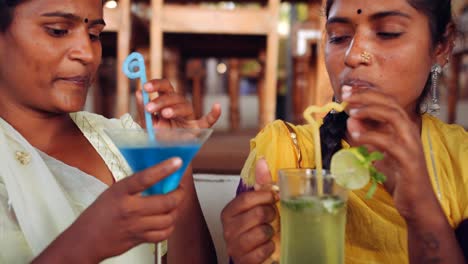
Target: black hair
point(439, 13)
point(6, 12)
point(7, 7)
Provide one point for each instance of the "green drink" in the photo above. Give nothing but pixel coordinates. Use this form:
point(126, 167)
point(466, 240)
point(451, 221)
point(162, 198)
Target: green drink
point(312, 226)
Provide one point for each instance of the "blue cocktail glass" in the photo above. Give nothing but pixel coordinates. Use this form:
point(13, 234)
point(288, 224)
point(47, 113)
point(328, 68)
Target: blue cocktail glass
point(141, 151)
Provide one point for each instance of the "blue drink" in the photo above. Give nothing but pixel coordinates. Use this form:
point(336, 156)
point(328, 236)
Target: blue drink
point(141, 158)
point(142, 151)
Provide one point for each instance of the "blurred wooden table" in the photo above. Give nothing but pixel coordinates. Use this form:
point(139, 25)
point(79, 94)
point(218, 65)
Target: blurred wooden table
point(224, 153)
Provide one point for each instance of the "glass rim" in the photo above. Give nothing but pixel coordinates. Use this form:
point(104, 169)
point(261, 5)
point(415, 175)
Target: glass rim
point(138, 129)
point(203, 132)
point(308, 177)
point(162, 136)
point(304, 172)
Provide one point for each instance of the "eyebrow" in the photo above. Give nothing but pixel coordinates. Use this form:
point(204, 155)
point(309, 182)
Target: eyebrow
point(385, 14)
point(338, 20)
point(75, 18)
point(373, 17)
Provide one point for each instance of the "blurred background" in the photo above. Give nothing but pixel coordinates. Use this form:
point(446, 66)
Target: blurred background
point(261, 60)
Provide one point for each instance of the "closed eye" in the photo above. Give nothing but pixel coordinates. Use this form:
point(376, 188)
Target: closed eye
point(56, 32)
point(389, 35)
point(338, 39)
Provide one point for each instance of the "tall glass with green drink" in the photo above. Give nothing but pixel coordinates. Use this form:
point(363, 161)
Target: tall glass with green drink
point(313, 217)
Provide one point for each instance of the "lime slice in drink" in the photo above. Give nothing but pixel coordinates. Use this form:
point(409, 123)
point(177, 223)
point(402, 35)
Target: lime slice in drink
point(349, 169)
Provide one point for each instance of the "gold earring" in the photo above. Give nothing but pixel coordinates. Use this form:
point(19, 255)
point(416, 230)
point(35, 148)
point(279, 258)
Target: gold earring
point(366, 57)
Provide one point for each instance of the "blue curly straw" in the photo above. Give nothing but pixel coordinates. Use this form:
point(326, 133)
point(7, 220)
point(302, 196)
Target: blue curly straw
point(134, 68)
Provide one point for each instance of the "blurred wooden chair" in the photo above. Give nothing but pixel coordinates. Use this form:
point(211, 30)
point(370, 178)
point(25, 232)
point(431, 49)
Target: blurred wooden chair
point(310, 84)
point(119, 20)
point(460, 50)
point(181, 29)
point(193, 20)
point(195, 73)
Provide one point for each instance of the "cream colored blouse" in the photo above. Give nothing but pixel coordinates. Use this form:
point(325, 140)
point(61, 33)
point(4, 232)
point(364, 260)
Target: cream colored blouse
point(41, 196)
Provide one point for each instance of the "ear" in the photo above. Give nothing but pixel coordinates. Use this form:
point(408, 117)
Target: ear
point(443, 50)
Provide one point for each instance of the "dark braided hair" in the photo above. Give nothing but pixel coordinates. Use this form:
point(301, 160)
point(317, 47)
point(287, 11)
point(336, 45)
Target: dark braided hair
point(334, 127)
point(331, 133)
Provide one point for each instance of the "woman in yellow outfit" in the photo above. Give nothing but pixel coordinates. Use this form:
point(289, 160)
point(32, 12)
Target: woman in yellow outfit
point(383, 59)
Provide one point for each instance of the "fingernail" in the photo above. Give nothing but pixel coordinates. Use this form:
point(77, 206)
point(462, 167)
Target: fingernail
point(151, 107)
point(168, 112)
point(148, 86)
point(345, 95)
point(269, 232)
point(353, 112)
point(176, 162)
point(355, 135)
point(346, 88)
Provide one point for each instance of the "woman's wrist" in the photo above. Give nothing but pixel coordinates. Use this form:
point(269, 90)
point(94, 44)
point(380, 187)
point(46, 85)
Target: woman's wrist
point(85, 248)
point(418, 202)
point(69, 248)
point(426, 210)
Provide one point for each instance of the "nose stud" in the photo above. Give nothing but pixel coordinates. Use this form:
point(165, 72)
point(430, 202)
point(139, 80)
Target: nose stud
point(366, 57)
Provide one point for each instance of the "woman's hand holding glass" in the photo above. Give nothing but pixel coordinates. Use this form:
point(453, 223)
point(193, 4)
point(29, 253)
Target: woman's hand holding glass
point(378, 121)
point(171, 109)
point(246, 221)
point(121, 218)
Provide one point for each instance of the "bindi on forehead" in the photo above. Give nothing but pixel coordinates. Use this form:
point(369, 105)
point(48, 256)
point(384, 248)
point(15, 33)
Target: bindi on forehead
point(359, 11)
point(86, 20)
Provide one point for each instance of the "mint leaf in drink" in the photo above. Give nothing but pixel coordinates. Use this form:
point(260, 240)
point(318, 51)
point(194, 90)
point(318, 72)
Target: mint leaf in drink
point(363, 151)
point(374, 156)
point(299, 204)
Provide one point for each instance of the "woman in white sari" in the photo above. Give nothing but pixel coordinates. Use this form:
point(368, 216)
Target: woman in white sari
point(64, 191)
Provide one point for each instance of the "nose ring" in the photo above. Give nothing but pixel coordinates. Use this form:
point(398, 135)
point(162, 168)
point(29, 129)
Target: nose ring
point(366, 57)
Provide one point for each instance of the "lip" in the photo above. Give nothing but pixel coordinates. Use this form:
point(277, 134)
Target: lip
point(358, 83)
point(79, 80)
